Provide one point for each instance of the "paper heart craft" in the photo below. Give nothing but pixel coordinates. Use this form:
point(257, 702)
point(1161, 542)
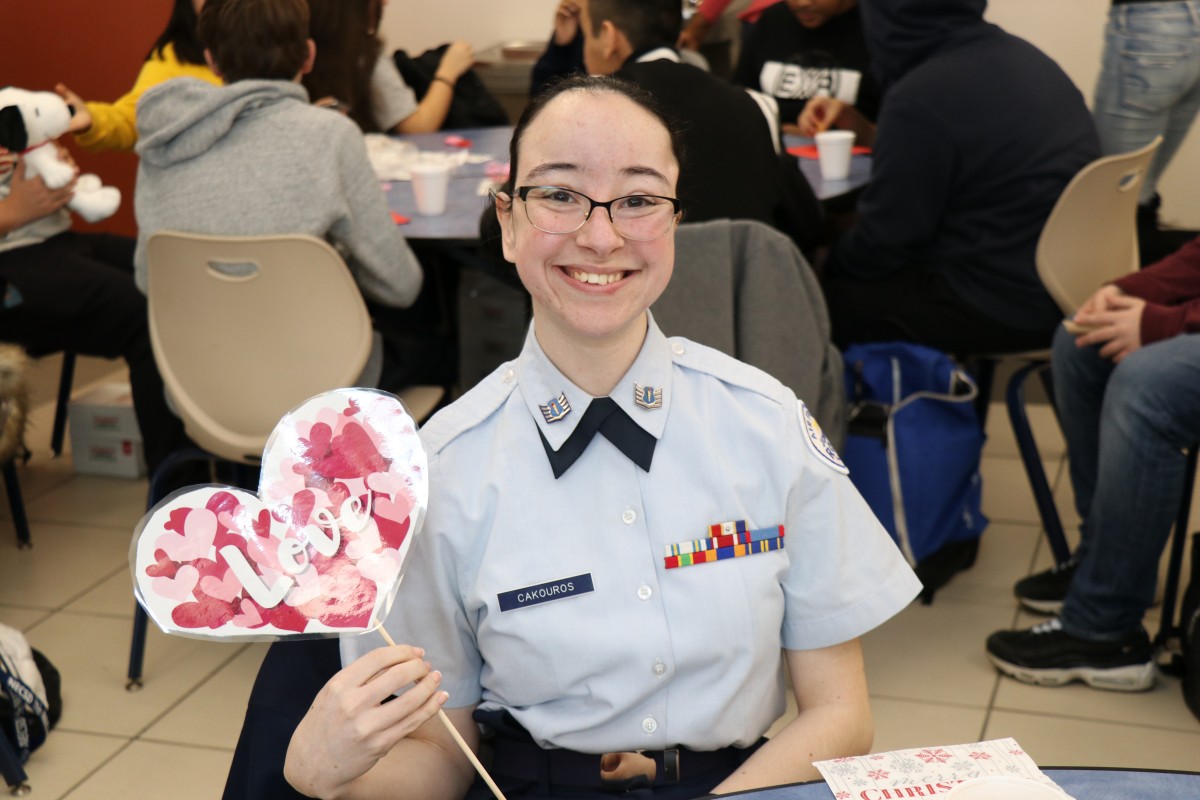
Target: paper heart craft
point(319, 550)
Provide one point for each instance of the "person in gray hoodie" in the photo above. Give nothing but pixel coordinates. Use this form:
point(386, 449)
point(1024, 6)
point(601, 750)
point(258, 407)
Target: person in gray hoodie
point(253, 157)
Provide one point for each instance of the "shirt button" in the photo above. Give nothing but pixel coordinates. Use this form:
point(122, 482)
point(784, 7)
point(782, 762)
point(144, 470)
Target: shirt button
point(649, 725)
point(629, 516)
point(678, 349)
point(644, 592)
point(508, 375)
point(660, 668)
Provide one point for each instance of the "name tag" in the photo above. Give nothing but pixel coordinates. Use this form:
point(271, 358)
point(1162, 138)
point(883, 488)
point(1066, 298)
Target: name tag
point(545, 592)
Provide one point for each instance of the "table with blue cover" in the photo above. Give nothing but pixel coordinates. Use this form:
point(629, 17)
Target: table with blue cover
point(860, 172)
point(1081, 783)
point(464, 205)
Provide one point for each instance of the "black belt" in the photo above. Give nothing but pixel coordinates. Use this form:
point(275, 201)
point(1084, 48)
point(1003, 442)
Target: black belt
point(517, 756)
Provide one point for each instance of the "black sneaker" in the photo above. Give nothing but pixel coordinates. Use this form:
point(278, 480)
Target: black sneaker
point(1044, 592)
point(1049, 656)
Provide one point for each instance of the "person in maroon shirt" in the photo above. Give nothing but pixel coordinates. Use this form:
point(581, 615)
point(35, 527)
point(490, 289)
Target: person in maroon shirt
point(1127, 387)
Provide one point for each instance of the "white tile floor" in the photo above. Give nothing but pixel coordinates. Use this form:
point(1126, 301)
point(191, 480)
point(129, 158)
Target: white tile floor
point(930, 681)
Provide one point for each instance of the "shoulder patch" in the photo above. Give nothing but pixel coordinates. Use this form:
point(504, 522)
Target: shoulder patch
point(818, 441)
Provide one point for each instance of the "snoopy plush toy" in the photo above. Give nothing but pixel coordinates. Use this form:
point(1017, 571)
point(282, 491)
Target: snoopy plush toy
point(29, 124)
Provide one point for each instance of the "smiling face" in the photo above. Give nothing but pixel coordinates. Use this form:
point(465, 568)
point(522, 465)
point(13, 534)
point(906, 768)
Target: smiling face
point(591, 286)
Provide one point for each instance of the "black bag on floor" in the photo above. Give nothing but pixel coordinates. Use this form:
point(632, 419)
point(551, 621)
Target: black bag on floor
point(473, 105)
point(26, 717)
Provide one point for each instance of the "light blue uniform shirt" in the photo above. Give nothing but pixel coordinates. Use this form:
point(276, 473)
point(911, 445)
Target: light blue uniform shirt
point(649, 657)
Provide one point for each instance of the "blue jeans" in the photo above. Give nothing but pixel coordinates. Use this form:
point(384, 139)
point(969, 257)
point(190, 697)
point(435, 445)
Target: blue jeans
point(1149, 81)
point(1126, 426)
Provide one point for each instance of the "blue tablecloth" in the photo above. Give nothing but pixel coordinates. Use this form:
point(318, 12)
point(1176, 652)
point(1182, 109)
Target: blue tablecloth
point(1080, 783)
point(464, 204)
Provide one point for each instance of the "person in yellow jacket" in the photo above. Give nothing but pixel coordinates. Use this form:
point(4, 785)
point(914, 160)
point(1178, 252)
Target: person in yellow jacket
point(176, 54)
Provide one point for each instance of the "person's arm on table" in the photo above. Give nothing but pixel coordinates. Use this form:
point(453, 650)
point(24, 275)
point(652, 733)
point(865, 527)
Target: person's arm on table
point(824, 113)
point(834, 720)
point(352, 744)
point(435, 105)
point(379, 258)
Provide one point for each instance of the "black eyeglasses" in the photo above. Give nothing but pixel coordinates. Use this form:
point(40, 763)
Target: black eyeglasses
point(637, 217)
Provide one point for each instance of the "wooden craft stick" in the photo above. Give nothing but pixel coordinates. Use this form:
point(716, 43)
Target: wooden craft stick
point(462, 744)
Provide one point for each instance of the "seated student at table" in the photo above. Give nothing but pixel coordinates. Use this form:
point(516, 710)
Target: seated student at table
point(355, 74)
point(177, 53)
point(633, 653)
point(255, 157)
point(1128, 395)
point(807, 48)
point(978, 136)
point(68, 291)
point(730, 167)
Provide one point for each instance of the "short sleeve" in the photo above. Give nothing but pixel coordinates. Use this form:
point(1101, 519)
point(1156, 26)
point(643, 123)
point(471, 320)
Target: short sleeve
point(846, 575)
point(392, 101)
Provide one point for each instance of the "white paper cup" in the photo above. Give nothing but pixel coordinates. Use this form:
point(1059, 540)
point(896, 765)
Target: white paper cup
point(833, 153)
point(431, 183)
point(1004, 787)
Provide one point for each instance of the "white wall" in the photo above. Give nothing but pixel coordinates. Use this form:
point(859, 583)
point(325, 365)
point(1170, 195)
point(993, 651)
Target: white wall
point(417, 25)
point(1071, 31)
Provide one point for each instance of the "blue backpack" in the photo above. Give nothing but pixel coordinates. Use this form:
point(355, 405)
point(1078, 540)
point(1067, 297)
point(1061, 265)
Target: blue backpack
point(913, 449)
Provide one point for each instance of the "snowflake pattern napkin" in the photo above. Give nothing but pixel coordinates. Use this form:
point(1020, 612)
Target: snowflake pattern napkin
point(926, 771)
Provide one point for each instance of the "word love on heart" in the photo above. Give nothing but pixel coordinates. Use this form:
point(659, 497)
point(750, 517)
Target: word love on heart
point(321, 547)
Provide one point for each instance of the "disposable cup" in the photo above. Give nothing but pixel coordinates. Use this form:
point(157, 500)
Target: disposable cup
point(431, 183)
point(833, 153)
point(1004, 787)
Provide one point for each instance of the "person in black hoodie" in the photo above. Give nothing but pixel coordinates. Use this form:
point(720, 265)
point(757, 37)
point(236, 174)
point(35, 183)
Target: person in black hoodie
point(978, 134)
point(801, 49)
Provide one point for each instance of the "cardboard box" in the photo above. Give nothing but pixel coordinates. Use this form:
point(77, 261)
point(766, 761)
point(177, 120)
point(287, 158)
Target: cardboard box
point(105, 439)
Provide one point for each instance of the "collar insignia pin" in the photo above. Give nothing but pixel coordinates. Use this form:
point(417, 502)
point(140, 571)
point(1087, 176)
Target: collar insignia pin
point(647, 396)
point(557, 408)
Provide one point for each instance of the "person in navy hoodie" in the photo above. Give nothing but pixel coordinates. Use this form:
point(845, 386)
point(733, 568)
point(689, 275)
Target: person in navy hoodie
point(978, 134)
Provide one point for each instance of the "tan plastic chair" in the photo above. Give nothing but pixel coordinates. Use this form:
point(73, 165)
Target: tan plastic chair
point(1089, 239)
point(244, 329)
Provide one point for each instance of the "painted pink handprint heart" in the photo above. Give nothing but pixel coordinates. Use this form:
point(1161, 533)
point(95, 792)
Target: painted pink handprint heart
point(344, 480)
